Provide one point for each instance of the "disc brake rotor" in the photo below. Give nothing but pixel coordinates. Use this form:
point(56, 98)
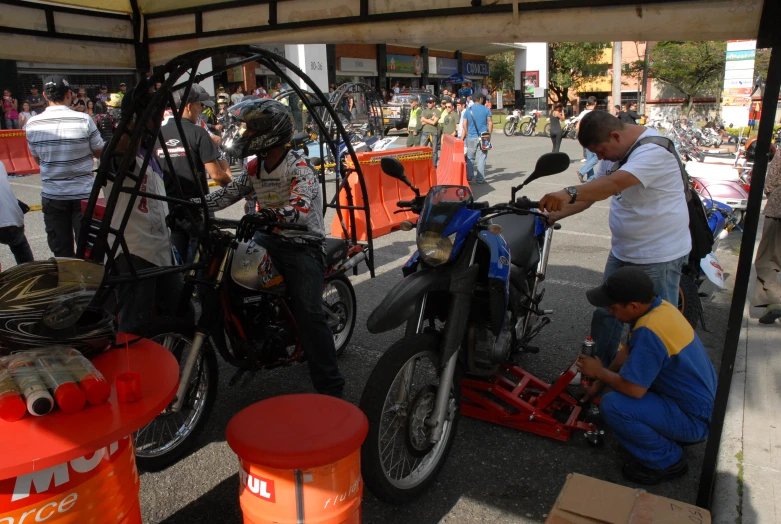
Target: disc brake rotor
point(417, 431)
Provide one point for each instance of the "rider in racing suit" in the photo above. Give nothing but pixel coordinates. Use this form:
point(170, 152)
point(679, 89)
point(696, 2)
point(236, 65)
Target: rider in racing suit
point(287, 189)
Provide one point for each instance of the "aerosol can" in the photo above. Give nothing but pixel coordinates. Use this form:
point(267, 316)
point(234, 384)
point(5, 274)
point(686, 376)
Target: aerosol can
point(588, 349)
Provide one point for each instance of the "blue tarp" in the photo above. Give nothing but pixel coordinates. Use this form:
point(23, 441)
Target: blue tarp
point(453, 79)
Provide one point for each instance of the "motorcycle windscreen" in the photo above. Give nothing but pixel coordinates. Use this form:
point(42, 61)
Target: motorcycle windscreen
point(440, 207)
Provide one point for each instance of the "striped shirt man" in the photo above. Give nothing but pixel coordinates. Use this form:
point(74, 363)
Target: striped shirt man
point(64, 143)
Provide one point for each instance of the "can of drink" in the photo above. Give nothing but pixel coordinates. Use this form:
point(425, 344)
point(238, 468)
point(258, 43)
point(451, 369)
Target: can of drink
point(588, 349)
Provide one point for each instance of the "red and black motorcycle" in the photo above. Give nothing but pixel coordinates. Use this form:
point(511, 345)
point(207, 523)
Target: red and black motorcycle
point(246, 319)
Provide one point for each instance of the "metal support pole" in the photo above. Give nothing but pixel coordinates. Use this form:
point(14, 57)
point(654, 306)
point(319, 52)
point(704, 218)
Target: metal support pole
point(616, 75)
point(745, 260)
point(644, 87)
point(425, 72)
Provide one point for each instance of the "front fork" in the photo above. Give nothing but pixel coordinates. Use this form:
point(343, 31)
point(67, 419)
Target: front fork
point(201, 334)
point(542, 268)
point(462, 286)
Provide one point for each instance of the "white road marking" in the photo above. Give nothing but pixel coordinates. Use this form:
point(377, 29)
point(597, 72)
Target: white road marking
point(21, 184)
point(579, 285)
point(581, 234)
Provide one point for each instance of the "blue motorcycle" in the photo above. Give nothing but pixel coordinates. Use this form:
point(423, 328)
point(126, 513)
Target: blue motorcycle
point(470, 299)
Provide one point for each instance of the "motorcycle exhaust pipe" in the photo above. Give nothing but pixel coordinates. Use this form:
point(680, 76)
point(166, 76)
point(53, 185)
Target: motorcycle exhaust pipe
point(352, 262)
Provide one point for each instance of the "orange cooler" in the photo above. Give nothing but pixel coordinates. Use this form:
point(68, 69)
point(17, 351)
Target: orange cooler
point(299, 460)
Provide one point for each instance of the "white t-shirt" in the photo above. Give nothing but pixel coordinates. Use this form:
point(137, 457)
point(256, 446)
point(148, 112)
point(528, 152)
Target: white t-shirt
point(650, 220)
point(582, 114)
point(146, 234)
point(10, 213)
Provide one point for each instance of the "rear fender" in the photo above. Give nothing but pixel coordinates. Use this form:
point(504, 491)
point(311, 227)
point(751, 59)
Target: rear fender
point(399, 304)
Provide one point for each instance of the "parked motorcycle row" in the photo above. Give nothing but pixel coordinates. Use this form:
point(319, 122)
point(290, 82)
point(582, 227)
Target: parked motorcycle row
point(526, 125)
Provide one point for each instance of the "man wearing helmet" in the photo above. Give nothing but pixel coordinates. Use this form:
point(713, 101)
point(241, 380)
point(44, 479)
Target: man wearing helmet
point(287, 190)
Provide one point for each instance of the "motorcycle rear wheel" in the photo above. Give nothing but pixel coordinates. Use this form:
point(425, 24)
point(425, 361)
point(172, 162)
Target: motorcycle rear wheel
point(509, 128)
point(527, 128)
point(339, 300)
point(546, 131)
point(171, 436)
point(402, 467)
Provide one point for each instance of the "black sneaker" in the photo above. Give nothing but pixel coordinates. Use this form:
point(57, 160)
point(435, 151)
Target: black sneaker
point(640, 474)
point(772, 312)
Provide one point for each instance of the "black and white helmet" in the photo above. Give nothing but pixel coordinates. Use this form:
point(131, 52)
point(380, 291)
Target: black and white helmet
point(258, 126)
point(46, 302)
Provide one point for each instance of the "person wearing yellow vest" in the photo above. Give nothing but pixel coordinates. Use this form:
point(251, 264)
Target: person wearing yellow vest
point(413, 127)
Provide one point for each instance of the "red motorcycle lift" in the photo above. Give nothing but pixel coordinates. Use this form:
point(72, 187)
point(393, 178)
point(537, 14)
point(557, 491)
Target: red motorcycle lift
point(529, 405)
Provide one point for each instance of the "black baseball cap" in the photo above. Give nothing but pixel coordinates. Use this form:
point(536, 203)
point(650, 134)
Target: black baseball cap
point(628, 284)
point(56, 85)
point(196, 94)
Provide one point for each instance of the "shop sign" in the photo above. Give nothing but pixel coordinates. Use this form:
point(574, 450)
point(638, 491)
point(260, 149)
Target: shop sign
point(737, 91)
point(739, 64)
point(739, 74)
point(446, 66)
point(404, 64)
point(733, 83)
point(358, 65)
point(736, 101)
point(741, 45)
point(748, 54)
point(476, 67)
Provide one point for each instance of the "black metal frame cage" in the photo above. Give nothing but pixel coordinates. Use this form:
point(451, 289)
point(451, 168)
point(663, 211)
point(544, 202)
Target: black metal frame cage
point(95, 242)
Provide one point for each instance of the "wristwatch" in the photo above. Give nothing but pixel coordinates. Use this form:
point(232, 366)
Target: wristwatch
point(573, 192)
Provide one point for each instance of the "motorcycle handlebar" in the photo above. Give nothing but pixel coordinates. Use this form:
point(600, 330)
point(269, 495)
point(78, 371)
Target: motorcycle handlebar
point(404, 203)
point(224, 223)
point(525, 203)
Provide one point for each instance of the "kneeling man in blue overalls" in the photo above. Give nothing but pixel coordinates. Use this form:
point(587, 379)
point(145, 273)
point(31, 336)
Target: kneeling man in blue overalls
point(663, 382)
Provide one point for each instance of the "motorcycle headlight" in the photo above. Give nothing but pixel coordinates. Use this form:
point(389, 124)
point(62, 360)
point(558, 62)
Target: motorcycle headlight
point(435, 249)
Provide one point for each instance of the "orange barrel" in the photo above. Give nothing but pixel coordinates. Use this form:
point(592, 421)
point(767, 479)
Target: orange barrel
point(96, 488)
point(299, 460)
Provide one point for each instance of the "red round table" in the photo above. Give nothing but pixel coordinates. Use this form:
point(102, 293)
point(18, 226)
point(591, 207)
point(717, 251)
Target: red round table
point(80, 467)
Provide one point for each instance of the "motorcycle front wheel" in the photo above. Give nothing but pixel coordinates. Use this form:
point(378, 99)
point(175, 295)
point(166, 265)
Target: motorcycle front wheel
point(509, 128)
point(171, 435)
point(527, 128)
point(398, 463)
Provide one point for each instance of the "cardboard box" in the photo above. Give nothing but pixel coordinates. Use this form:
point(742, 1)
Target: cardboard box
point(586, 500)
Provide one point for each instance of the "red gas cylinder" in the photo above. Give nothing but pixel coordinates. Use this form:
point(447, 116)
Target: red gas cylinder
point(299, 460)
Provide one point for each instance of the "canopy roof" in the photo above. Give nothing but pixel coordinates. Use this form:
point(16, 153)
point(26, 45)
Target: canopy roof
point(137, 33)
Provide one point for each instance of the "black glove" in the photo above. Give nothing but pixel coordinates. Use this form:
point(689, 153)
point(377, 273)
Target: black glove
point(254, 222)
point(183, 219)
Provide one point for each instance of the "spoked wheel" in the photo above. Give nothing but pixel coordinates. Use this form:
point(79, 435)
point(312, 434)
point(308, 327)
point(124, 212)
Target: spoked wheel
point(527, 128)
point(509, 128)
point(546, 130)
point(172, 434)
point(398, 461)
point(340, 307)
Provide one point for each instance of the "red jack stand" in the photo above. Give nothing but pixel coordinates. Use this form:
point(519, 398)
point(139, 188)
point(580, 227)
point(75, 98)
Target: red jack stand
point(529, 405)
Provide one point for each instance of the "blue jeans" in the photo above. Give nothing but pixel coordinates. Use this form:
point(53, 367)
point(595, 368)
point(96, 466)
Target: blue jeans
point(650, 427)
point(62, 221)
point(606, 329)
point(303, 268)
point(427, 136)
point(475, 153)
point(12, 123)
point(587, 170)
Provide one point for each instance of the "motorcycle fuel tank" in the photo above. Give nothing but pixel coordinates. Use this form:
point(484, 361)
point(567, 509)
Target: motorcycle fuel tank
point(252, 267)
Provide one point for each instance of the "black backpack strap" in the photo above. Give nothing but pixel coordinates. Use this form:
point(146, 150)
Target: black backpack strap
point(669, 146)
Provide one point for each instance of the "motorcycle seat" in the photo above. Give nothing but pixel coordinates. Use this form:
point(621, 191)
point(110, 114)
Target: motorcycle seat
point(335, 251)
point(518, 232)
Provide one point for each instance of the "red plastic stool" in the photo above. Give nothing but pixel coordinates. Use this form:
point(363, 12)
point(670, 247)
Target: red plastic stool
point(299, 460)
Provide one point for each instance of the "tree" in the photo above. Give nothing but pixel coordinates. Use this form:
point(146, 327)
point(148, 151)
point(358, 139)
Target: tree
point(502, 71)
point(693, 68)
point(569, 63)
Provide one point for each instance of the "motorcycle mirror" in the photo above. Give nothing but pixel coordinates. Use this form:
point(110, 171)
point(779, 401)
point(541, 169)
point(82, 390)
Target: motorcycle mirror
point(392, 167)
point(548, 164)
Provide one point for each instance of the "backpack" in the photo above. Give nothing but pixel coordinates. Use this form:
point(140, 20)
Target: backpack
point(701, 234)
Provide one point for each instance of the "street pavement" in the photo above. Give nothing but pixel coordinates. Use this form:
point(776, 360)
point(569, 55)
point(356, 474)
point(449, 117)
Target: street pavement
point(493, 474)
point(748, 475)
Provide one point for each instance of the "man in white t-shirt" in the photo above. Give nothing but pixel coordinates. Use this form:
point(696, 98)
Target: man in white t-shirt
point(12, 222)
point(147, 238)
point(649, 218)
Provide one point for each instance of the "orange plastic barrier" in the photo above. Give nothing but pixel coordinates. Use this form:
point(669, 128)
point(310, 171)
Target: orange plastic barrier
point(383, 191)
point(15, 154)
point(452, 164)
point(299, 460)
